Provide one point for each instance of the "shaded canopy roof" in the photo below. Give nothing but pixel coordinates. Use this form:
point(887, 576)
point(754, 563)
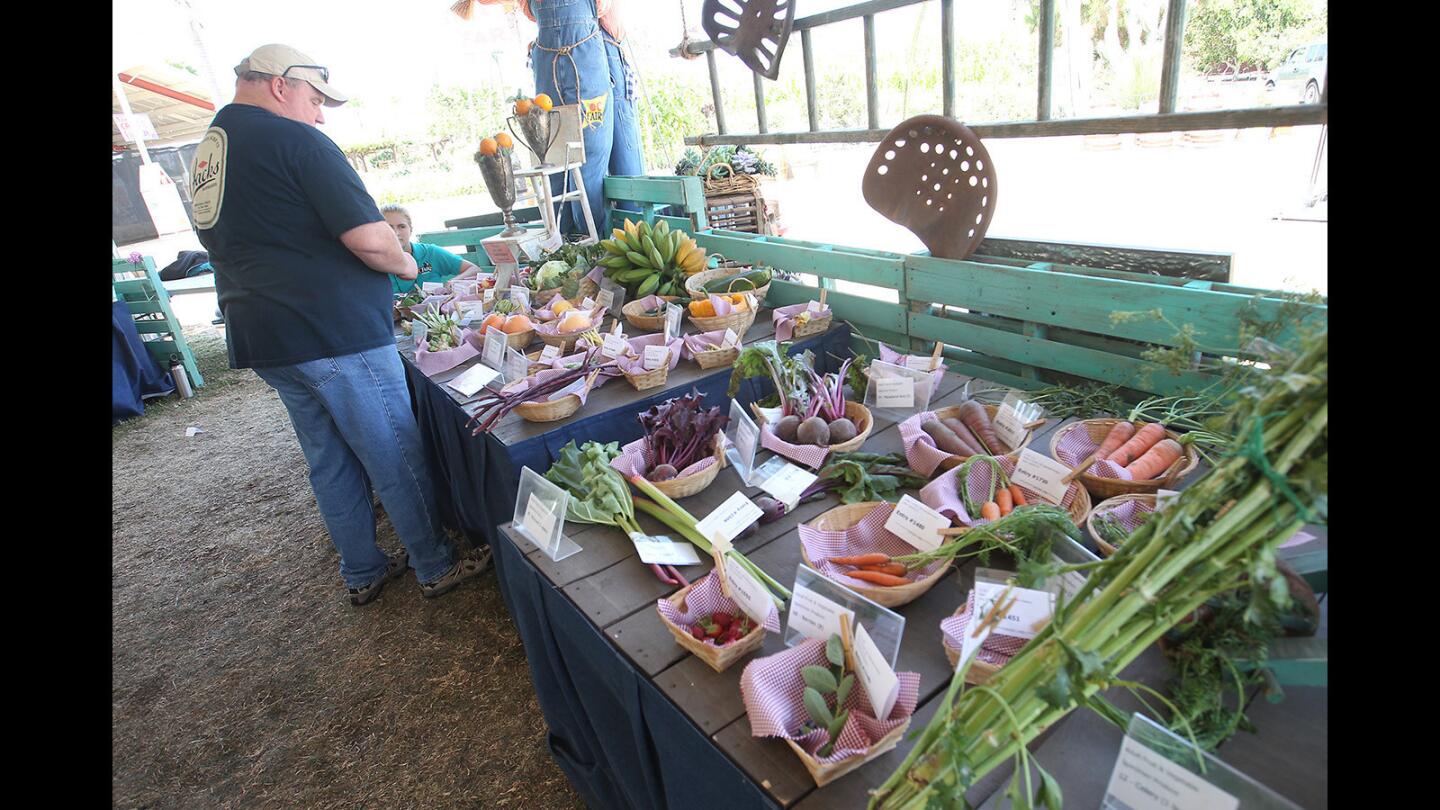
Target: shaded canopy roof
point(179, 103)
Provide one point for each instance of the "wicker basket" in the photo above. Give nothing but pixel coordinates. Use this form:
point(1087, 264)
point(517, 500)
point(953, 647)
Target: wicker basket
point(717, 357)
point(854, 411)
point(739, 321)
point(646, 380)
point(824, 774)
point(548, 411)
point(953, 412)
point(734, 203)
point(519, 340)
point(566, 342)
point(718, 658)
point(815, 326)
point(1110, 487)
point(979, 671)
point(843, 517)
point(1106, 505)
point(695, 283)
point(677, 488)
point(634, 313)
point(539, 298)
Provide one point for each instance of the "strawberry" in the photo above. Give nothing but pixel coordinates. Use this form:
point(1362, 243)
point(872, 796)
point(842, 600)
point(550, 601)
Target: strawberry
point(723, 619)
point(697, 632)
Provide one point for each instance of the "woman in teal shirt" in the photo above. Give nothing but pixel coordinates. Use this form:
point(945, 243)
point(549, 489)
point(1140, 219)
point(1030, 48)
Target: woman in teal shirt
point(436, 264)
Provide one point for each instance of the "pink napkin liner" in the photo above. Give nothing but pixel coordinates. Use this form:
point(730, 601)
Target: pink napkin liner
point(1130, 513)
point(694, 344)
point(996, 649)
point(432, 363)
point(920, 450)
point(634, 459)
point(943, 496)
point(635, 364)
point(784, 318)
point(894, 358)
point(865, 537)
point(543, 375)
point(707, 598)
point(807, 454)
point(773, 691)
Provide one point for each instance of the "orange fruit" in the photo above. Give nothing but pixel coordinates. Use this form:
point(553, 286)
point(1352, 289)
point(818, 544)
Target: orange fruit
point(488, 147)
point(522, 106)
point(515, 324)
point(561, 306)
point(574, 321)
point(494, 319)
point(505, 141)
point(543, 102)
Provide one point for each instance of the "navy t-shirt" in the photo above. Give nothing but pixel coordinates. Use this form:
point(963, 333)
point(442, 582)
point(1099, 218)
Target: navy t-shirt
point(271, 198)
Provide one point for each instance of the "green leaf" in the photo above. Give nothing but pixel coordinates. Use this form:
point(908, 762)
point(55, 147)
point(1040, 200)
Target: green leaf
point(837, 725)
point(1049, 794)
point(815, 704)
point(819, 678)
point(1057, 692)
point(835, 651)
point(844, 690)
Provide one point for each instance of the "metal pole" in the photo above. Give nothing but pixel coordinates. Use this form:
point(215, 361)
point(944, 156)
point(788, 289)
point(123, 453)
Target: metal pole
point(125, 108)
point(809, 81)
point(1170, 71)
point(947, 54)
point(872, 92)
point(715, 91)
point(1047, 58)
point(760, 102)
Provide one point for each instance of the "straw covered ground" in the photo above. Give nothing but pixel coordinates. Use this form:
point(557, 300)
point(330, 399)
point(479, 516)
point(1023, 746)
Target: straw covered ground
point(240, 676)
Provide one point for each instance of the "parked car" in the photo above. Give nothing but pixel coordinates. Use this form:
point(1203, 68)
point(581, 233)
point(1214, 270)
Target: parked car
point(1301, 75)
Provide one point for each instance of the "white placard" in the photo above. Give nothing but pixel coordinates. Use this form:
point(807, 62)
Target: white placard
point(464, 286)
point(493, 355)
point(552, 243)
point(586, 304)
point(746, 439)
point(655, 357)
point(917, 524)
point(468, 310)
point(730, 518)
point(814, 306)
point(770, 415)
point(814, 616)
point(917, 363)
point(488, 295)
point(730, 339)
point(1145, 780)
point(1164, 497)
point(1042, 475)
point(520, 295)
point(894, 392)
point(550, 352)
point(419, 331)
point(1025, 618)
point(748, 593)
point(749, 301)
point(516, 366)
point(432, 287)
point(503, 272)
point(672, 321)
point(473, 379)
point(661, 550)
point(881, 683)
point(539, 520)
point(606, 298)
point(614, 346)
point(1008, 426)
point(787, 483)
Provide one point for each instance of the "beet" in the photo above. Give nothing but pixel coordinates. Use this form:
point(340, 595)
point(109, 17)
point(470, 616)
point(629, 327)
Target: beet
point(842, 430)
point(773, 509)
point(663, 472)
point(813, 431)
point(786, 427)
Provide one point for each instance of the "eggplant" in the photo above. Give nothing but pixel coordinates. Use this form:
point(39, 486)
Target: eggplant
point(842, 430)
point(785, 428)
point(814, 431)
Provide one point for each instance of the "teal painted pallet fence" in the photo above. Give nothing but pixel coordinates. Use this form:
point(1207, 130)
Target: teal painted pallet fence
point(149, 305)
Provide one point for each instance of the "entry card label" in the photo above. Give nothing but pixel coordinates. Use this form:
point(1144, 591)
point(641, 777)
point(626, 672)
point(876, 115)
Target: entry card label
point(1164, 497)
point(748, 593)
point(614, 346)
point(917, 524)
point(549, 353)
point(655, 357)
point(1145, 780)
point(606, 298)
point(661, 550)
point(1042, 475)
point(539, 519)
point(672, 321)
point(730, 339)
point(516, 366)
point(814, 616)
point(474, 378)
point(894, 392)
point(787, 483)
point(493, 355)
point(730, 518)
point(1028, 613)
point(881, 683)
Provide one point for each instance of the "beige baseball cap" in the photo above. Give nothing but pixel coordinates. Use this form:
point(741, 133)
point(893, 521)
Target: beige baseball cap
point(283, 60)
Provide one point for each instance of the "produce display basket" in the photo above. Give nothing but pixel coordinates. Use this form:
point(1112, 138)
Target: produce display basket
point(548, 411)
point(854, 411)
point(1105, 506)
point(694, 284)
point(1110, 487)
point(734, 203)
point(940, 495)
point(566, 341)
point(717, 658)
point(953, 412)
point(717, 357)
point(979, 671)
point(678, 488)
point(843, 517)
point(588, 288)
point(519, 340)
point(739, 321)
point(646, 380)
point(815, 326)
point(634, 313)
point(824, 773)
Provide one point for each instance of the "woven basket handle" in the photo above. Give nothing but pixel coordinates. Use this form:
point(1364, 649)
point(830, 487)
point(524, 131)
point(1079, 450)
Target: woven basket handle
point(710, 173)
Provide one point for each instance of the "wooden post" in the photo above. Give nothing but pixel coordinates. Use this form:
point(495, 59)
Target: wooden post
point(1033, 330)
point(760, 101)
point(125, 108)
point(715, 91)
point(1170, 70)
point(1047, 58)
point(947, 55)
point(810, 109)
point(872, 90)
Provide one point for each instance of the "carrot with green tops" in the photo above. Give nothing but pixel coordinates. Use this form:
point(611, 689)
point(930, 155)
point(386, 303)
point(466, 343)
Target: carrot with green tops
point(1143, 440)
point(1117, 436)
point(990, 511)
point(878, 578)
point(1156, 460)
point(862, 559)
point(1017, 495)
point(1004, 501)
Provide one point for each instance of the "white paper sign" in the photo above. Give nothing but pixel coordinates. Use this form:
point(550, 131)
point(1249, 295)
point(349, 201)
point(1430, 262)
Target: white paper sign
point(1042, 475)
point(894, 392)
point(539, 520)
point(463, 286)
point(814, 616)
point(493, 355)
point(614, 346)
point(1144, 780)
point(917, 524)
point(606, 299)
point(516, 366)
point(587, 303)
point(655, 357)
point(503, 272)
point(549, 353)
point(814, 306)
point(730, 518)
point(473, 379)
point(419, 331)
point(1164, 497)
point(916, 362)
point(788, 482)
point(748, 593)
point(520, 295)
point(1008, 426)
point(881, 683)
point(1025, 617)
point(468, 310)
point(771, 415)
point(661, 550)
point(672, 321)
point(730, 339)
point(746, 438)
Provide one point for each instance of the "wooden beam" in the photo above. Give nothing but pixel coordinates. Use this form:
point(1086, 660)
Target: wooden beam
point(760, 102)
point(947, 55)
point(872, 88)
point(1047, 58)
point(146, 84)
point(1170, 70)
point(715, 91)
point(810, 110)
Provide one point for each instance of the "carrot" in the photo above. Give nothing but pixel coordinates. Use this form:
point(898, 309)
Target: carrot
point(894, 569)
point(1117, 436)
point(878, 578)
point(1143, 440)
point(945, 439)
point(1017, 495)
point(862, 559)
point(1156, 460)
point(990, 511)
point(963, 432)
point(1004, 501)
point(974, 416)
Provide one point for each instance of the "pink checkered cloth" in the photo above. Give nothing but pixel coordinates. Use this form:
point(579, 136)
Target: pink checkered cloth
point(784, 318)
point(704, 342)
point(773, 691)
point(996, 649)
point(895, 358)
point(450, 305)
point(634, 459)
point(1129, 515)
point(943, 494)
point(866, 537)
point(635, 363)
point(920, 450)
point(545, 374)
point(432, 363)
point(807, 454)
point(707, 598)
point(1076, 446)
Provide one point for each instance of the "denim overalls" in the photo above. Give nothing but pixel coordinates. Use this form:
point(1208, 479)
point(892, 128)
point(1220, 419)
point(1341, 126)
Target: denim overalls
point(602, 97)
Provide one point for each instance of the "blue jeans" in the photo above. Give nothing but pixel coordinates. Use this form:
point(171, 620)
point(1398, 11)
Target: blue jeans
point(353, 420)
point(626, 152)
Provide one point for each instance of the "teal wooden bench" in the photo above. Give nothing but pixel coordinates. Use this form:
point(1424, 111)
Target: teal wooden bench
point(149, 304)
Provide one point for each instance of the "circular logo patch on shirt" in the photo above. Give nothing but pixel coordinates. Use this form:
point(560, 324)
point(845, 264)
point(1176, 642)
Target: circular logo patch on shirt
point(207, 178)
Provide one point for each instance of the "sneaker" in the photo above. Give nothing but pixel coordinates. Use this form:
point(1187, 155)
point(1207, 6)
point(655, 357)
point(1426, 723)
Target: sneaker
point(467, 566)
point(368, 594)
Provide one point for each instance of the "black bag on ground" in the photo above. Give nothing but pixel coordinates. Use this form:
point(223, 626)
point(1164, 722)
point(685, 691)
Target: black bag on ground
point(185, 262)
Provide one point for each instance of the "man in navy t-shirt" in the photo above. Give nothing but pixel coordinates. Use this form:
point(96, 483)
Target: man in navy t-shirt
point(303, 262)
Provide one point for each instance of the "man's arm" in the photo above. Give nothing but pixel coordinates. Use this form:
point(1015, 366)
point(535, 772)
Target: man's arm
point(374, 244)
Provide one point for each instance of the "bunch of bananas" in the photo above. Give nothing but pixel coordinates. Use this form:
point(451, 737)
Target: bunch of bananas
point(651, 260)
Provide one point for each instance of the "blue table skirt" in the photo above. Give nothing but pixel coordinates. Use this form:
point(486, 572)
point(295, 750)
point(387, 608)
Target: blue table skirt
point(134, 374)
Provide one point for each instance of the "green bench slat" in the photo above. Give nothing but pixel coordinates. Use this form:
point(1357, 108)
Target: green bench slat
point(854, 308)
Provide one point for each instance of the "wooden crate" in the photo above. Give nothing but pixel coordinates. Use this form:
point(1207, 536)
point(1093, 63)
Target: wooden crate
point(737, 211)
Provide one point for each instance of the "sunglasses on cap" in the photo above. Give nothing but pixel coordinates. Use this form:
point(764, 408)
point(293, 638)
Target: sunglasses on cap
point(324, 71)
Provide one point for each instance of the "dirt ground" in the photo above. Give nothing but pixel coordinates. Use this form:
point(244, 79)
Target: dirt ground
point(241, 677)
